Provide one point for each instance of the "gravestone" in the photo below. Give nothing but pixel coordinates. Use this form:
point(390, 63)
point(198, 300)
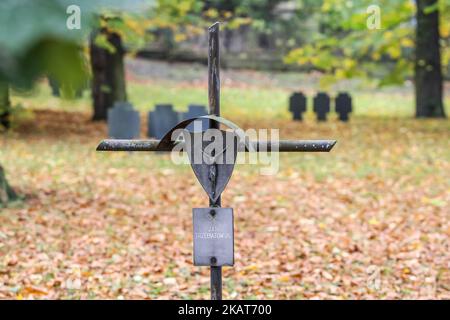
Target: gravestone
point(321, 106)
point(123, 121)
point(297, 105)
point(195, 110)
point(343, 106)
point(161, 120)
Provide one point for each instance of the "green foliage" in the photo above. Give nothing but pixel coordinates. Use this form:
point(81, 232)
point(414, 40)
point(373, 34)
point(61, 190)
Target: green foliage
point(25, 22)
point(101, 40)
point(346, 47)
point(294, 21)
point(180, 18)
point(177, 11)
point(35, 41)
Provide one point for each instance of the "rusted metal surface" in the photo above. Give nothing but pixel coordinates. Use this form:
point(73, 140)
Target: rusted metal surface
point(256, 146)
point(167, 142)
point(214, 109)
point(213, 171)
point(214, 71)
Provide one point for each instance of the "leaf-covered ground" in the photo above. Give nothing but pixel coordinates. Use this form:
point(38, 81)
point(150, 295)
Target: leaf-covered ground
point(368, 220)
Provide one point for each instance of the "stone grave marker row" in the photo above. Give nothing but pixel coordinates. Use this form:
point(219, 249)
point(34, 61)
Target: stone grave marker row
point(124, 121)
point(195, 110)
point(321, 105)
point(164, 117)
point(161, 120)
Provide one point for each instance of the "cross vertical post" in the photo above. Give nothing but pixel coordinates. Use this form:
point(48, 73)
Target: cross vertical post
point(214, 109)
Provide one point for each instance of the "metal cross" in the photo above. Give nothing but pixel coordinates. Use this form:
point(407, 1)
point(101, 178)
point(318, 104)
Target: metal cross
point(212, 169)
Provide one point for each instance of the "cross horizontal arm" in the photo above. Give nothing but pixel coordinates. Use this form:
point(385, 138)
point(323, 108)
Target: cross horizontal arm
point(258, 146)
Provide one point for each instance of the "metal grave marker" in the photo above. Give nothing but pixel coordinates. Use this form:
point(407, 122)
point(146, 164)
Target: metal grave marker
point(123, 121)
point(161, 120)
point(213, 226)
point(343, 106)
point(219, 163)
point(297, 105)
point(321, 106)
point(213, 236)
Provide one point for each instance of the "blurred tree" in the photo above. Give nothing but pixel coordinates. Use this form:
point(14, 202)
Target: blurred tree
point(5, 105)
point(108, 71)
point(119, 32)
point(224, 9)
point(406, 45)
point(35, 41)
point(276, 26)
point(428, 69)
point(7, 194)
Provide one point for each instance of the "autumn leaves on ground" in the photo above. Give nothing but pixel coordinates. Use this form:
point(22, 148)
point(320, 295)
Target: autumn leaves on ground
point(368, 220)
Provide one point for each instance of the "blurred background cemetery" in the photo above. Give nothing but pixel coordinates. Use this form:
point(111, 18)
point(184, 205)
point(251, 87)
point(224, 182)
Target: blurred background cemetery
point(368, 220)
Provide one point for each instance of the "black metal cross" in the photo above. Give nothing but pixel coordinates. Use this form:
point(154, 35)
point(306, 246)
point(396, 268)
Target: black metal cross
point(212, 171)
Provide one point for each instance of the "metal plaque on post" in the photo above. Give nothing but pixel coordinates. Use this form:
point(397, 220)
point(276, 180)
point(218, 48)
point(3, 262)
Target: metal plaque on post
point(213, 236)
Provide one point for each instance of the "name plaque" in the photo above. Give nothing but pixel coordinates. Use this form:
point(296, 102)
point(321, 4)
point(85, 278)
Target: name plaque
point(213, 236)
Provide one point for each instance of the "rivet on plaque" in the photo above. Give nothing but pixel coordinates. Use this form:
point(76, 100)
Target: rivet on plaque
point(213, 236)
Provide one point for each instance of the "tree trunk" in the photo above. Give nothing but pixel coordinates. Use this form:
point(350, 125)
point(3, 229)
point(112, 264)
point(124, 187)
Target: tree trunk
point(108, 80)
point(5, 105)
point(428, 69)
point(7, 194)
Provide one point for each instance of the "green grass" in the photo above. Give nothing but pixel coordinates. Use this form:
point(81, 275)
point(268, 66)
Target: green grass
point(252, 101)
point(382, 138)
